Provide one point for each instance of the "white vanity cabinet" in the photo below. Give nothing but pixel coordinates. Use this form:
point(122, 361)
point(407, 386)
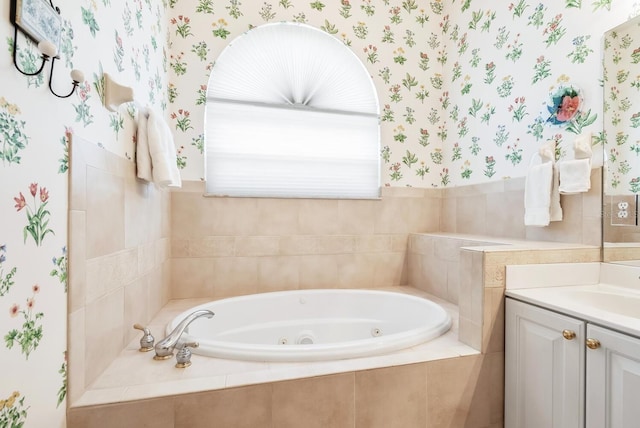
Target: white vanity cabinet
point(564, 372)
point(613, 379)
point(544, 368)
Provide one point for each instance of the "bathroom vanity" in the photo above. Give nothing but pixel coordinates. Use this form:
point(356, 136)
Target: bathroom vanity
point(572, 352)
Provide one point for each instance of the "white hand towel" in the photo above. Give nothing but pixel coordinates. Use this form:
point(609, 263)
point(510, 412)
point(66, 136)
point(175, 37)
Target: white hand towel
point(575, 176)
point(143, 157)
point(163, 152)
point(547, 152)
point(537, 194)
point(555, 209)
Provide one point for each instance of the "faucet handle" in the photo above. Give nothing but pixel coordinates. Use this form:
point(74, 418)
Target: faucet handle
point(147, 340)
point(183, 356)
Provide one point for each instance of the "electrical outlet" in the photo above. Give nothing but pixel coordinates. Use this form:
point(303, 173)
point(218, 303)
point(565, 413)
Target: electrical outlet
point(624, 210)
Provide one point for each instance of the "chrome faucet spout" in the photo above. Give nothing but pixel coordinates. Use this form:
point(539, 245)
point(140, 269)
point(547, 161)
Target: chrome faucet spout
point(164, 348)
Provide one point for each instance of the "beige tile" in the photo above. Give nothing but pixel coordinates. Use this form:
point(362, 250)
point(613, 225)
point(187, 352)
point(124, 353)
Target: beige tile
point(434, 277)
point(458, 393)
point(470, 333)
point(251, 246)
point(373, 243)
point(157, 413)
point(336, 244)
point(146, 257)
point(318, 271)
point(447, 249)
point(399, 242)
point(247, 407)
point(392, 216)
point(356, 217)
point(278, 216)
point(453, 282)
point(77, 273)
point(191, 215)
point(448, 216)
point(138, 216)
point(389, 269)
point(278, 273)
point(414, 270)
point(493, 322)
point(180, 247)
point(212, 246)
point(136, 307)
point(471, 285)
point(104, 339)
point(234, 216)
point(422, 244)
point(76, 355)
point(416, 215)
point(105, 213)
point(318, 217)
point(298, 245)
point(506, 211)
point(110, 272)
point(191, 278)
point(322, 402)
point(234, 276)
point(471, 215)
point(391, 397)
point(356, 270)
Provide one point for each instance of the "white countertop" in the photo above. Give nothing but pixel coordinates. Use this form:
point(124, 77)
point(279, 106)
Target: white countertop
point(603, 294)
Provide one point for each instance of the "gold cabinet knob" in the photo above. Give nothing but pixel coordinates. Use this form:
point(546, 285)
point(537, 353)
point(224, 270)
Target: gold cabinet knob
point(593, 343)
point(569, 334)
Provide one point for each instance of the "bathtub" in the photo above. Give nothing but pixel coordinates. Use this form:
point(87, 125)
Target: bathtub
point(314, 325)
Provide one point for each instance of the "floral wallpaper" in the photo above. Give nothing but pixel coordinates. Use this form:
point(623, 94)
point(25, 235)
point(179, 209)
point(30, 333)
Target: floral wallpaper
point(464, 86)
point(129, 40)
point(622, 109)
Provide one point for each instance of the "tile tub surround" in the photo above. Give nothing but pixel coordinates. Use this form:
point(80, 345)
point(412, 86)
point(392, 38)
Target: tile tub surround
point(496, 209)
point(469, 271)
point(118, 259)
point(442, 383)
point(223, 247)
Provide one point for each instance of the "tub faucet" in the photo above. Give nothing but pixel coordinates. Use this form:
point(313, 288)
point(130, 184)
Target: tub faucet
point(164, 348)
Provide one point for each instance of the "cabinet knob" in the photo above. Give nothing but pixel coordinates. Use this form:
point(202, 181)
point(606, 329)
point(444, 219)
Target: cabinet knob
point(569, 334)
point(593, 343)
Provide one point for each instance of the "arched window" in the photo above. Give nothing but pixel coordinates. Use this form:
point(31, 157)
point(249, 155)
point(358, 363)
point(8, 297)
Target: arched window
point(291, 112)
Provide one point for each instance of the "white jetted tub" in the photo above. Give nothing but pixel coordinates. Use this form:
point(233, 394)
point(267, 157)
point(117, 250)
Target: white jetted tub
point(314, 325)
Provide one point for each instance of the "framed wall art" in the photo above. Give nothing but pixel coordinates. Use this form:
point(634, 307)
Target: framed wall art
point(37, 19)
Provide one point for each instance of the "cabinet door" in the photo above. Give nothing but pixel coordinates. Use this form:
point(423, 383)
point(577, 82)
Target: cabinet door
point(613, 380)
point(544, 371)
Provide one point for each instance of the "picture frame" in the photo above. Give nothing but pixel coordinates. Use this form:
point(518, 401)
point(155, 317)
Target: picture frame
point(37, 19)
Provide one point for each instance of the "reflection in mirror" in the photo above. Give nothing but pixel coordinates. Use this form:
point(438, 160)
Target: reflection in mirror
point(621, 75)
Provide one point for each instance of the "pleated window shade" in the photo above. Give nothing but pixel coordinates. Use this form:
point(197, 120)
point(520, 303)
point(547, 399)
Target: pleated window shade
point(291, 112)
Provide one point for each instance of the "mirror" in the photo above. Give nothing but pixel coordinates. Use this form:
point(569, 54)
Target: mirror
point(621, 127)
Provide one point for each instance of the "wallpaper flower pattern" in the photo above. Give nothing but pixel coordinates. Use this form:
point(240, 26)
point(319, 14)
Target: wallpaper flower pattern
point(35, 132)
point(463, 85)
point(463, 88)
point(622, 110)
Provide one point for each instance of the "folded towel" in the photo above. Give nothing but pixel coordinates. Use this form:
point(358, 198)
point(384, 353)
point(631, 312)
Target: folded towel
point(143, 158)
point(162, 151)
point(575, 176)
point(555, 209)
point(537, 194)
point(582, 146)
